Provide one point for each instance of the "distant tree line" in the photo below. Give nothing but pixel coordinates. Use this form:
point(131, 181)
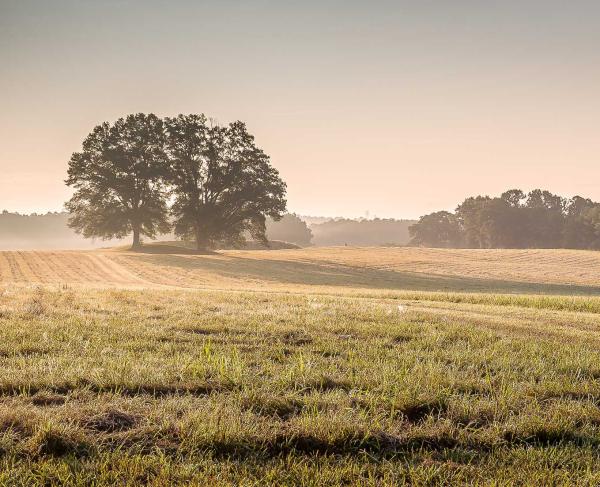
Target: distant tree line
point(538, 219)
point(144, 175)
point(51, 231)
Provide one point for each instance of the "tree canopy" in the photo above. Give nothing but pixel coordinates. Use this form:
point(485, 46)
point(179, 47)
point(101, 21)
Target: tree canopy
point(439, 229)
point(538, 219)
point(290, 229)
point(221, 185)
point(224, 185)
point(119, 180)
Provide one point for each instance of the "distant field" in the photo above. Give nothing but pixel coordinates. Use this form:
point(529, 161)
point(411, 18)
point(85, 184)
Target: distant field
point(343, 268)
point(340, 366)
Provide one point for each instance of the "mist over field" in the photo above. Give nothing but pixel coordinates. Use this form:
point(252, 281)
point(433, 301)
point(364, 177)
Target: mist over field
point(50, 231)
point(47, 231)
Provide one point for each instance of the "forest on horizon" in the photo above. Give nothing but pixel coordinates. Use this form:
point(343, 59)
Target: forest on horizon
point(515, 219)
point(50, 231)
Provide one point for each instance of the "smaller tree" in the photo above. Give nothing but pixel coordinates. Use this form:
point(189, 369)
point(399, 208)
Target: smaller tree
point(119, 180)
point(224, 186)
point(289, 229)
point(439, 229)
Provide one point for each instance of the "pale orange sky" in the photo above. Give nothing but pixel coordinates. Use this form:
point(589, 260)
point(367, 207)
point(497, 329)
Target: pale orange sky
point(398, 108)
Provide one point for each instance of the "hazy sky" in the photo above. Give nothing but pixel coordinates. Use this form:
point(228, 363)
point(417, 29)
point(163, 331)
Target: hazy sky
point(395, 107)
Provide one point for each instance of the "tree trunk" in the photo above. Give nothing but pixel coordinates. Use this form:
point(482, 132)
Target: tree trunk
point(200, 242)
point(136, 238)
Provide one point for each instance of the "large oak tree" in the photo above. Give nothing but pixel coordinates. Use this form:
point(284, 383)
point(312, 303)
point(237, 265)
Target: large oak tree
point(224, 186)
point(119, 180)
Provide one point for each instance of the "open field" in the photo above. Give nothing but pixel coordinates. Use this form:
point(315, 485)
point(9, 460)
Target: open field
point(300, 367)
point(327, 269)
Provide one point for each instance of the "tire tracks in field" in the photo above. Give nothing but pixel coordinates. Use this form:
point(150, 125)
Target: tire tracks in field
point(113, 268)
point(85, 268)
point(95, 269)
point(51, 272)
point(58, 271)
point(152, 275)
point(5, 274)
point(17, 274)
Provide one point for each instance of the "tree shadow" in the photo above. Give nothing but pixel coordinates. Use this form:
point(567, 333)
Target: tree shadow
point(169, 250)
point(311, 273)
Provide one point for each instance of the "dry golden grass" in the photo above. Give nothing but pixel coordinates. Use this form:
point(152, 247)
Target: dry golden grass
point(340, 268)
point(339, 366)
point(64, 267)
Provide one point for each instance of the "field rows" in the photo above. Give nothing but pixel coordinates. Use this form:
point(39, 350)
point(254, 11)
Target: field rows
point(32, 267)
point(554, 266)
point(342, 268)
point(340, 367)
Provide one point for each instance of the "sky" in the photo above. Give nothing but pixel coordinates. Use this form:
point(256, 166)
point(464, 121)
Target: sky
point(378, 108)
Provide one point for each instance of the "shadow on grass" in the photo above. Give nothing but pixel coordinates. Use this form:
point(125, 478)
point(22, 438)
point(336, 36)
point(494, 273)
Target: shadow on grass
point(169, 250)
point(332, 274)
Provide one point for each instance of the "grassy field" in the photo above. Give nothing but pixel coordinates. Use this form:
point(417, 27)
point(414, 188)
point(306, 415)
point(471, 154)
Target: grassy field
point(300, 367)
point(334, 269)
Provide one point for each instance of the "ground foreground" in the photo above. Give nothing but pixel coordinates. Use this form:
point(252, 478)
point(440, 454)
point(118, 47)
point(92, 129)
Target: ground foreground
point(357, 383)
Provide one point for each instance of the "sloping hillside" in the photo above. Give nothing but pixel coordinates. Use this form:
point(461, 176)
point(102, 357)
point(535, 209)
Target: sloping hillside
point(531, 271)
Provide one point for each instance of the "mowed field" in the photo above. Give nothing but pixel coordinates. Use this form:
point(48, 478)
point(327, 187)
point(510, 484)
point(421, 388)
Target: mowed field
point(341, 268)
point(323, 366)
